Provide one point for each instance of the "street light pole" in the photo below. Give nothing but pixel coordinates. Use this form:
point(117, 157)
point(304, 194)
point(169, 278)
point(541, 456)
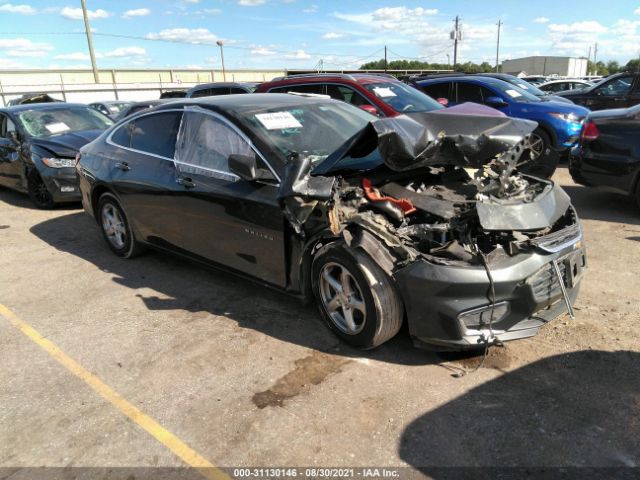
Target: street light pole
point(224, 74)
point(87, 29)
point(498, 46)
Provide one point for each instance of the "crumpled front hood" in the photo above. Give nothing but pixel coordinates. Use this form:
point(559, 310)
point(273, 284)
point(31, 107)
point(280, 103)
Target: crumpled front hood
point(66, 145)
point(430, 138)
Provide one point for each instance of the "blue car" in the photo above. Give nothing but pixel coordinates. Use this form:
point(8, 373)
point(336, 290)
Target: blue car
point(559, 124)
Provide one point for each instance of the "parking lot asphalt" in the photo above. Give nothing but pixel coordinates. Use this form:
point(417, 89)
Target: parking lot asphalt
point(246, 376)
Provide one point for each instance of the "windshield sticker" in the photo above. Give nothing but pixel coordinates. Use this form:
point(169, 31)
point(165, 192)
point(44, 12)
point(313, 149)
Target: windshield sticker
point(383, 92)
point(58, 127)
point(278, 120)
point(513, 93)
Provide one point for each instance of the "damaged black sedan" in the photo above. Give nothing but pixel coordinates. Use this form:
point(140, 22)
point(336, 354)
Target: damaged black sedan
point(423, 219)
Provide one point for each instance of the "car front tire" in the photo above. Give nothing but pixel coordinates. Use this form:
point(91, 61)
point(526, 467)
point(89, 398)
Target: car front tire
point(116, 229)
point(542, 158)
point(39, 194)
point(356, 298)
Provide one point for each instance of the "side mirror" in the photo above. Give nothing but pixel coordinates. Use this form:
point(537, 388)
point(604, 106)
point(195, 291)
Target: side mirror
point(496, 102)
point(247, 168)
point(443, 101)
point(369, 109)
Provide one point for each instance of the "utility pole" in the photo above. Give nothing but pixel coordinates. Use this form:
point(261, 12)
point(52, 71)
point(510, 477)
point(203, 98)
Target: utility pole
point(385, 59)
point(448, 60)
point(220, 43)
point(595, 59)
point(455, 36)
point(87, 29)
point(498, 46)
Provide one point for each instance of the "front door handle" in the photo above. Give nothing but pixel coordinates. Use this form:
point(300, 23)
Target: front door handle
point(123, 166)
point(186, 182)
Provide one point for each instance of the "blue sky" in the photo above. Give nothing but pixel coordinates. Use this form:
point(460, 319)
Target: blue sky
point(299, 33)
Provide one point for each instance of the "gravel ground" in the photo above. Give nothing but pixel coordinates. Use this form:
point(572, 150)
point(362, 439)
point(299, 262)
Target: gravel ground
point(250, 377)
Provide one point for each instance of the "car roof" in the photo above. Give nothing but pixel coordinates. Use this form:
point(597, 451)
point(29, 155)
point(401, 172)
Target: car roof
point(43, 106)
point(222, 84)
point(363, 78)
point(244, 102)
point(579, 80)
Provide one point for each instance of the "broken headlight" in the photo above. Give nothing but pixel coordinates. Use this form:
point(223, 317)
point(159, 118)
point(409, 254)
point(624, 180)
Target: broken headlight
point(479, 318)
point(59, 162)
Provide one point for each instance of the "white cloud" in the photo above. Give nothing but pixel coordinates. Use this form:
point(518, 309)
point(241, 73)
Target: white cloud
point(541, 20)
point(212, 11)
point(311, 9)
point(74, 56)
point(191, 1)
point(250, 3)
point(401, 21)
point(71, 13)
point(298, 55)
point(262, 51)
point(185, 35)
point(21, 9)
point(126, 52)
point(138, 12)
point(637, 11)
point(574, 38)
point(23, 47)
point(332, 35)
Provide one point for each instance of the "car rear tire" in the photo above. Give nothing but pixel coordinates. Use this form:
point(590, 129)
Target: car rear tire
point(540, 159)
point(38, 192)
point(116, 229)
point(356, 298)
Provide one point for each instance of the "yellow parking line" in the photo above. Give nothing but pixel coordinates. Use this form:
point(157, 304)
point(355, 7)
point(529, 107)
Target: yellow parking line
point(168, 439)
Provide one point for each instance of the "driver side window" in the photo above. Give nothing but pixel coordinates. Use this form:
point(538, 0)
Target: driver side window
point(619, 86)
point(204, 145)
point(6, 126)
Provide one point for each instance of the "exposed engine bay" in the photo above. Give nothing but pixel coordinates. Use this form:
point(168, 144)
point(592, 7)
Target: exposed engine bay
point(445, 198)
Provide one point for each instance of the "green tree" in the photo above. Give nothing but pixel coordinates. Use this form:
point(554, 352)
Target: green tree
point(632, 66)
point(613, 66)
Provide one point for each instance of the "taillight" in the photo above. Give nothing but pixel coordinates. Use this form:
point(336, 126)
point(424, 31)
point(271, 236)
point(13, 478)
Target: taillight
point(590, 131)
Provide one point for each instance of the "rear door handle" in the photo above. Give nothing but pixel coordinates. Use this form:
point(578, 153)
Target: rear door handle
point(123, 166)
point(186, 182)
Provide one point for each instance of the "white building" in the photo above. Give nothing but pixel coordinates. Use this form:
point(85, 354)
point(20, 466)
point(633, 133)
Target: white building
point(560, 66)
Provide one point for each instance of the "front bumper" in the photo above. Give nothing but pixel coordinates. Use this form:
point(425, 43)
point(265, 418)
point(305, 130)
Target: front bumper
point(62, 183)
point(443, 301)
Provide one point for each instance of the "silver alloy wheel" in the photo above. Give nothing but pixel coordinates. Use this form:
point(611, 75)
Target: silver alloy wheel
point(114, 226)
point(342, 299)
point(536, 146)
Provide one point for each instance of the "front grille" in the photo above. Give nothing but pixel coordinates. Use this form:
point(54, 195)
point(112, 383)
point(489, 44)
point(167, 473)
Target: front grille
point(544, 283)
point(556, 241)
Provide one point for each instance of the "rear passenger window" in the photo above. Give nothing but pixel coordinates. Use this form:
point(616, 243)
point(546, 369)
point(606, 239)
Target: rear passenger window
point(155, 133)
point(438, 90)
point(236, 90)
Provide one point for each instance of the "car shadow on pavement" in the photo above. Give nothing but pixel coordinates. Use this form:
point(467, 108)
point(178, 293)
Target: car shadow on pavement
point(22, 200)
point(596, 204)
point(579, 409)
point(182, 285)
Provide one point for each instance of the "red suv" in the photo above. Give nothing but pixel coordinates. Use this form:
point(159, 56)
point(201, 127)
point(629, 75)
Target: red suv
point(380, 94)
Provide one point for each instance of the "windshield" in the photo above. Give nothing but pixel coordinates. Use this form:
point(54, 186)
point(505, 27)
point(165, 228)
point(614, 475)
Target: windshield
point(117, 107)
point(515, 93)
point(317, 129)
point(523, 84)
point(403, 98)
point(56, 121)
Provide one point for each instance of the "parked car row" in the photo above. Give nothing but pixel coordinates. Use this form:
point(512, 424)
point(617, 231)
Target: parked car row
point(373, 205)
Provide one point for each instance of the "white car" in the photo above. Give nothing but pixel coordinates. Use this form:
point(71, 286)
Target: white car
point(563, 85)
